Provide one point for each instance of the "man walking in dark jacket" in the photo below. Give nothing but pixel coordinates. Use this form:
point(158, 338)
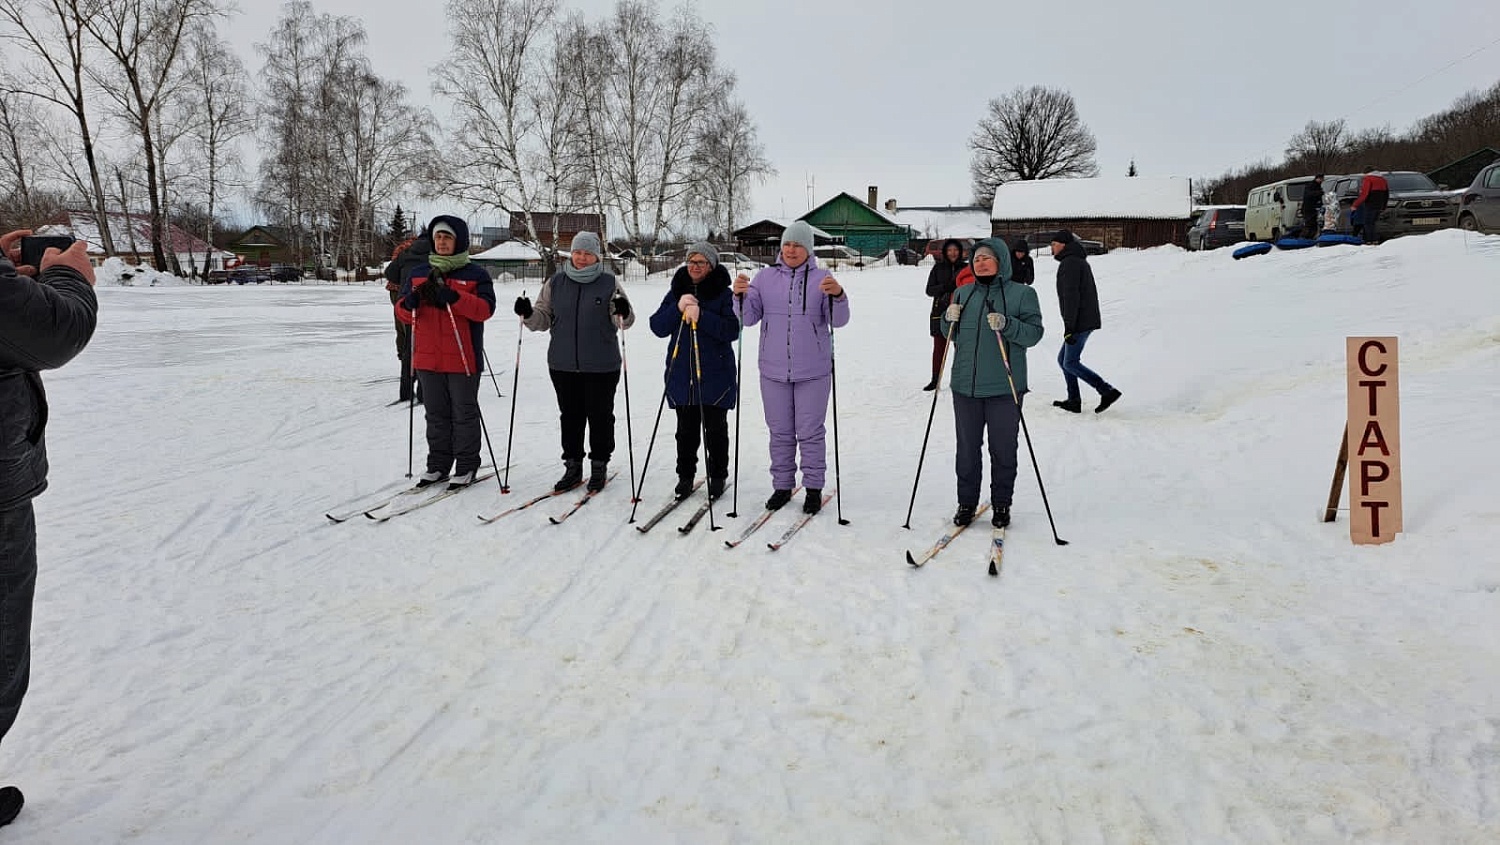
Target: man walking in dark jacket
point(47, 316)
point(1079, 301)
point(1022, 268)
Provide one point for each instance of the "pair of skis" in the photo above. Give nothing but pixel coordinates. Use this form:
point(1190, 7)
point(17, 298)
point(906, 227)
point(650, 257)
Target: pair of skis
point(666, 509)
point(997, 545)
point(791, 531)
point(550, 494)
point(405, 500)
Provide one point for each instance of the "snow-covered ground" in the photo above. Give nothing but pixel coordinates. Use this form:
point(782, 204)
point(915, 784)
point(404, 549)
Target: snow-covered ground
point(1205, 662)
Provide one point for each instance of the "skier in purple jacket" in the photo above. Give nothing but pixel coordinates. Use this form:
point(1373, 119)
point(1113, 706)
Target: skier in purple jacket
point(797, 305)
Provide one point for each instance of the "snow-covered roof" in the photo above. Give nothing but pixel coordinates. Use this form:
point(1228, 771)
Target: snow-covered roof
point(82, 226)
point(510, 251)
point(1140, 197)
point(954, 222)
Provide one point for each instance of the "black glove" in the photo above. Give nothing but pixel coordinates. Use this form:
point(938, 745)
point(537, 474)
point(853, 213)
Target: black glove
point(412, 300)
point(523, 308)
point(435, 292)
point(620, 307)
point(1069, 339)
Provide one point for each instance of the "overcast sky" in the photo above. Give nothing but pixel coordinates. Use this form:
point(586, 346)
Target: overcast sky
point(853, 93)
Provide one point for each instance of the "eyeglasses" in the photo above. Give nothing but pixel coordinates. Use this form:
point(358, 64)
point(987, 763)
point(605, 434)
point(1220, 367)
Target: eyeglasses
point(697, 264)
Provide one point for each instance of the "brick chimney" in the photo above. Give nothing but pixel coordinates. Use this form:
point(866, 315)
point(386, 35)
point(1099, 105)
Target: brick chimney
point(874, 195)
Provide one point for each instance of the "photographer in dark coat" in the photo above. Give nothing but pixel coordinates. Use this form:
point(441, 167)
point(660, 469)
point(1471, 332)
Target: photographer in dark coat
point(942, 281)
point(47, 317)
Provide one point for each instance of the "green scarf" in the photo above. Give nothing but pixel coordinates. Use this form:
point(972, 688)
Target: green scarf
point(446, 264)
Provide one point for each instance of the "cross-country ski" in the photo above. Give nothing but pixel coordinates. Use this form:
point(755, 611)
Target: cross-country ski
point(943, 541)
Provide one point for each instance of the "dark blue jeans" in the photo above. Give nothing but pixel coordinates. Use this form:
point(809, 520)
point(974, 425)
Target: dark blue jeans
point(17, 588)
point(972, 417)
point(1069, 358)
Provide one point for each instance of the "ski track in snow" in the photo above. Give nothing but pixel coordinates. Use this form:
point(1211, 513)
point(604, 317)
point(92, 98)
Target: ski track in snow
point(1205, 662)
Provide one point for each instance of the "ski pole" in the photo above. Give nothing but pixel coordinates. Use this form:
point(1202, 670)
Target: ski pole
point(493, 378)
point(739, 397)
point(411, 410)
point(515, 386)
point(652, 445)
point(469, 373)
point(833, 387)
point(625, 374)
point(702, 418)
point(922, 456)
point(1015, 397)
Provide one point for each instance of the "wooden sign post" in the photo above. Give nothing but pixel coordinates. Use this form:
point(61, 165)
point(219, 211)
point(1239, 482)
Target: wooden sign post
point(1373, 440)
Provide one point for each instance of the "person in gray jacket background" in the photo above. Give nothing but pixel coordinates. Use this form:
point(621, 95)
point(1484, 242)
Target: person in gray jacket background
point(584, 308)
point(47, 316)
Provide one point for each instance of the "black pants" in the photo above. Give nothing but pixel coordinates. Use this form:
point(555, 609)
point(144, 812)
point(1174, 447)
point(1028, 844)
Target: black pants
point(586, 400)
point(450, 402)
point(690, 422)
point(17, 588)
point(972, 417)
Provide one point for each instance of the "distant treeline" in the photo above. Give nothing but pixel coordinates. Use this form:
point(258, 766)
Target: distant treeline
point(1471, 123)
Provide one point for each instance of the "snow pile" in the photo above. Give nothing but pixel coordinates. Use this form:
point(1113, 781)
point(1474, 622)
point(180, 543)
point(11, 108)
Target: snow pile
point(1204, 662)
point(116, 272)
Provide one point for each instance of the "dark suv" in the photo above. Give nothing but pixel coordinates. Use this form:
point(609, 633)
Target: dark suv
point(1216, 227)
point(1416, 205)
point(1479, 209)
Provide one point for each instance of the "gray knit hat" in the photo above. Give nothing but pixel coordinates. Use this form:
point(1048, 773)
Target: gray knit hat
point(587, 242)
point(705, 249)
point(800, 233)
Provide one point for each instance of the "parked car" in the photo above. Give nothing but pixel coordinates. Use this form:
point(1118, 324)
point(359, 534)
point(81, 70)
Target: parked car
point(285, 273)
point(1217, 226)
point(1417, 204)
point(738, 262)
point(1274, 210)
point(1479, 207)
point(906, 255)
point(248, 275)
point(217, 277)
point(1043, 241)
point(833, 255)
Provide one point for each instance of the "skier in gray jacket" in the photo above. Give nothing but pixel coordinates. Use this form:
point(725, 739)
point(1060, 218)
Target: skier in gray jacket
point(584, 308)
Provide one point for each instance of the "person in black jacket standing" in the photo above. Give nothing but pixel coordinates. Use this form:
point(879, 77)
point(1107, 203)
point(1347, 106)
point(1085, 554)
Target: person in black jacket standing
point(1312, 207)
point(1079, 301)
point(409, 255)
point(942, 281)
point(1022, 268)
point(47, 317)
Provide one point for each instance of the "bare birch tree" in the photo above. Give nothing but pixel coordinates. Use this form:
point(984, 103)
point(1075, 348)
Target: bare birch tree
point(216, 84)
point(728, 159)
point(145, 39)
point(1030, 133)
point(52, 33)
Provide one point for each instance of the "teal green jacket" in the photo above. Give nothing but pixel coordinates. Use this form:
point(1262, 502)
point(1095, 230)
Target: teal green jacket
point(978, 368)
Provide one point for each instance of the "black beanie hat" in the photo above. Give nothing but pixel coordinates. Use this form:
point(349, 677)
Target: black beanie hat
point(1063, 236)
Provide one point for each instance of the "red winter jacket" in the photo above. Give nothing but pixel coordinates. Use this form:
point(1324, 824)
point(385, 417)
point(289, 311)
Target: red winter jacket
point(965, 277)
point(1373, 187)
point(443, 344)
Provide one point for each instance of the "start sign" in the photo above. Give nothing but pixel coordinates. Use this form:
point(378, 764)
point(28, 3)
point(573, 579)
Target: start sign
point(1374, 440)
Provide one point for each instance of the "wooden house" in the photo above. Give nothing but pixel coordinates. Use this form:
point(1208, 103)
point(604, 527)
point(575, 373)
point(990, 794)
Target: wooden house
point(1125, 211)
point(859, 225)
point(549, 224)
point(761, 240)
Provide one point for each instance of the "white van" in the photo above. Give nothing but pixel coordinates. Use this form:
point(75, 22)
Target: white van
point(1275, 209)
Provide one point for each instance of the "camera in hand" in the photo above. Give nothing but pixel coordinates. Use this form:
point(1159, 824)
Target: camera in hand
point(34, 246)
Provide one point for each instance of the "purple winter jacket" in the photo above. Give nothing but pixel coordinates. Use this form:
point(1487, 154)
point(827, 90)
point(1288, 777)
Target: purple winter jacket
point(795, 321)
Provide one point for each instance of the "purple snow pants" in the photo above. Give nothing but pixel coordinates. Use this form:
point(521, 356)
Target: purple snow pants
point(794, 413)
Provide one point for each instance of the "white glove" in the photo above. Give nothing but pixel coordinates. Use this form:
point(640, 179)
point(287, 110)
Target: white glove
point(954, 312)
point(997, 321)
point(685, 300)
point(690, 313)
